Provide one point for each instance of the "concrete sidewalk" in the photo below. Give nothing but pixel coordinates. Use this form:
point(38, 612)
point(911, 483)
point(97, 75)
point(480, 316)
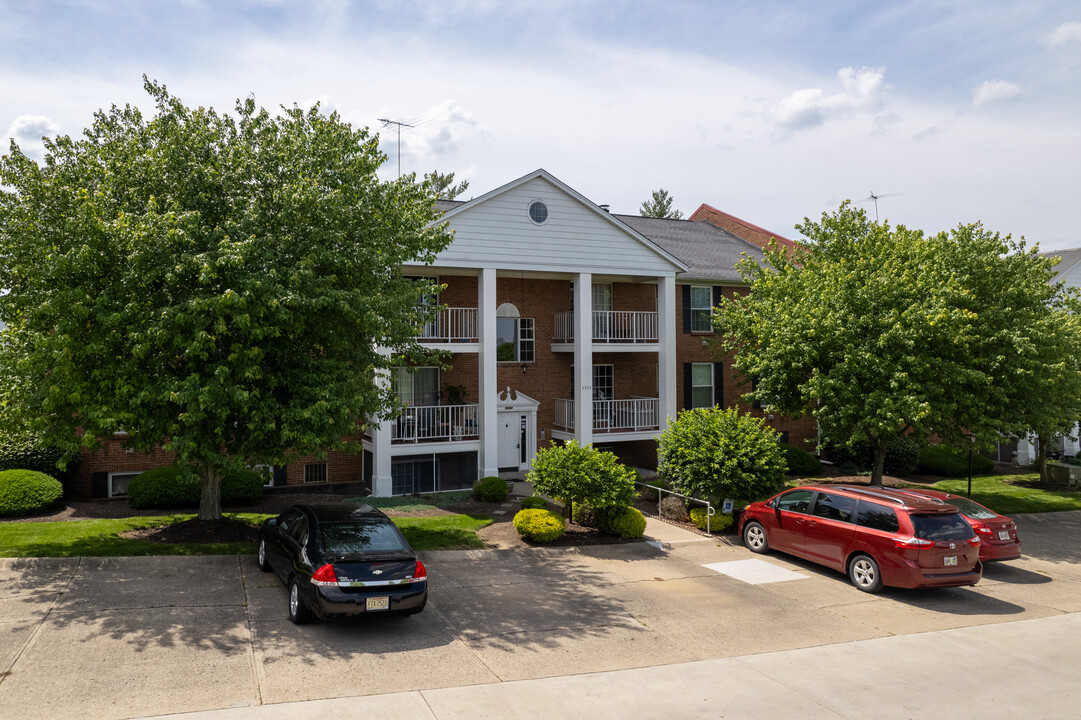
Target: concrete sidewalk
point(1019, 669)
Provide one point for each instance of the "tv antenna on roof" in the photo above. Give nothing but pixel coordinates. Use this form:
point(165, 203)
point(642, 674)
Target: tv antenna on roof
point(874, 197)
point(399, 124)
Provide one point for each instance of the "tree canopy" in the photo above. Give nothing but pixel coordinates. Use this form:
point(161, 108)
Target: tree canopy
point(442, 185)
point(881, 331)
point(225, 286)
point(659, 205)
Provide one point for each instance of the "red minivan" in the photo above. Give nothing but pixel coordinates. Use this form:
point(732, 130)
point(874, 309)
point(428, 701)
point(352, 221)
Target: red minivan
point(877, 536)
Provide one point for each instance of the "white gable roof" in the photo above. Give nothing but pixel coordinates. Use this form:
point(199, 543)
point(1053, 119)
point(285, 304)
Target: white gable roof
point(494, 230)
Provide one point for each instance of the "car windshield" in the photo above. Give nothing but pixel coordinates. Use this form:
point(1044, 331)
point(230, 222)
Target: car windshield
point(352, 538)
point(941, 527)
point(971, 509)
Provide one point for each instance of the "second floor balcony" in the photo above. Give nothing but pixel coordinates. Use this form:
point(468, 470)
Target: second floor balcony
point(636, 414)
point(451, 325)
point(611, 326)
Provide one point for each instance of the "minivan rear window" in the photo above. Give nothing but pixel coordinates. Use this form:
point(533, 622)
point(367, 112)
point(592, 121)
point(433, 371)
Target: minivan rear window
point(360, 537)
point(878, 517)
point(941, 527)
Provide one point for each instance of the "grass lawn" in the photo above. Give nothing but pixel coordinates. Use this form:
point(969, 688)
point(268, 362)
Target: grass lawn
point(101, 538)
point(1011, 494)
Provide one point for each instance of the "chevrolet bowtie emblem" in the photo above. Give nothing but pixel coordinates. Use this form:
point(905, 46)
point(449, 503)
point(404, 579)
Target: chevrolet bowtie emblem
point(377, 572)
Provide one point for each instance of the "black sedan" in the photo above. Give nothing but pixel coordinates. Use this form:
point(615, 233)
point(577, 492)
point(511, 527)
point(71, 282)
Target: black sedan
point(342, 560)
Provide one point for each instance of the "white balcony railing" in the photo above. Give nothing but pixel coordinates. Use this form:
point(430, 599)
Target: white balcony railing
point(632, 415)
point(611, 326)
point(452, 325)
point(435, 423)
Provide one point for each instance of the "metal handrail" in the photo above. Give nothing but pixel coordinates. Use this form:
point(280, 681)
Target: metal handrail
point(710, 510)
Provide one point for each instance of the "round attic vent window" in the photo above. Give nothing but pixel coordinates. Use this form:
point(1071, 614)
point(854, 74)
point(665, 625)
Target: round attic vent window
point(538, 212)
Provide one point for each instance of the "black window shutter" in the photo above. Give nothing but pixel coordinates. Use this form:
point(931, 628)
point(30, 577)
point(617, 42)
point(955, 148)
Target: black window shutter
point(279, 476)
point(99, 485)
point(686, 308)
point(716, 295)
point(718, 384)
point(687, 400)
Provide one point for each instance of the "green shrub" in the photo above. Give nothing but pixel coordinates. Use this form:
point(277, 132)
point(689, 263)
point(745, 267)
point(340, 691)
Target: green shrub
point(584, 514)
point(25, 492)
point(490, 489)
point(534, 503)
point(25, 452)
point(624, 522)
point(577, 474)
point(849, 468)
point(948, 462)
point(241, 486)
point(673, 507)
point(171, 487)
point(539, 525)
point(800, 462)
point(902, 454)
point(721, 453)
point(718, 523)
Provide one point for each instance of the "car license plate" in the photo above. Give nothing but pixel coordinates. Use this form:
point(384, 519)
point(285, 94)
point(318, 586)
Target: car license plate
point(1003, 534)
point(378, 603)
point(950, 560)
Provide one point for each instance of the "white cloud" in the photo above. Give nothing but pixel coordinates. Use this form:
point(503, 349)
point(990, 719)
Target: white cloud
point(861, 92)
point(1066, 33)
point(27, 131)
point(990, 91)
point(444, 130)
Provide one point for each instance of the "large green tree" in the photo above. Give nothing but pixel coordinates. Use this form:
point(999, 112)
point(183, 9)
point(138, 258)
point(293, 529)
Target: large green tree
point(659, 205)
point(882, 331)
point(442, 185)
point(227, 286)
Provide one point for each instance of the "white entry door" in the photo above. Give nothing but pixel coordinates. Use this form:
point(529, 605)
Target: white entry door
point(510, 439)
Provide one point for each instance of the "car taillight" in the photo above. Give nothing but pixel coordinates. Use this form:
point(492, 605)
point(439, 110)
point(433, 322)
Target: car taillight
point(982, 529)
point(325, 576)
point(420, 572)
point(913, 542)
point(974, 541)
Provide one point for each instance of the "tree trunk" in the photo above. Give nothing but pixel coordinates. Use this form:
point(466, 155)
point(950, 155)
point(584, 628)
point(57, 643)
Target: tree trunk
point(210, 499)
point(1041, 457)
point(879, 463)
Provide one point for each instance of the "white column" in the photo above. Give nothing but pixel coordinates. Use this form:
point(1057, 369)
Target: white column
point(1071, 441)
point(382, 483)
point(666, 358)
point(489, 386)
point(583, 358)
point(1026, 450)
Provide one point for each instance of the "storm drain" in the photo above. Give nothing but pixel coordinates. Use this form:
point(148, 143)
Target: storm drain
point(755, 572)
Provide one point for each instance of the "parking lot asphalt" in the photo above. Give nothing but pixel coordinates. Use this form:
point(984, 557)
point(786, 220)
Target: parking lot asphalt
point(595, 631)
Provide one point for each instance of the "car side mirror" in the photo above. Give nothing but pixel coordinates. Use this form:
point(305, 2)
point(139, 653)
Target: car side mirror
point(272, 522)
point(772, 504)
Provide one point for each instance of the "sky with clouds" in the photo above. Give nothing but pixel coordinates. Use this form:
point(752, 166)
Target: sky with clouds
point(960, 111)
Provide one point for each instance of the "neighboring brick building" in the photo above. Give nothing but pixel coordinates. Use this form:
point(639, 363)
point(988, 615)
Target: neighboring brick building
point(549, 298)
point(739, 227)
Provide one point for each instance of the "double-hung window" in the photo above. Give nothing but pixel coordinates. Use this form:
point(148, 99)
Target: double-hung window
point(702, 385)
point(701, 308)
point(515, 339)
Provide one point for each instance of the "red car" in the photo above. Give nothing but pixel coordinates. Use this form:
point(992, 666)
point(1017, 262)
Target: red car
point(997, 533)
point(878, 536)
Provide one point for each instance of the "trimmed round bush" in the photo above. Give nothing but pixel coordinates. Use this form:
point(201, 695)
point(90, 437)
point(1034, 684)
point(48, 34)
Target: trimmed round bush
point(848, 468)
point(584, 514)
point(625, 522)
point(26, 492)
point(171, 487)
point(718, 523)
point(800, 462)
point(948, 462)
point(490, 489)
point(534, 503)
point(539, 525)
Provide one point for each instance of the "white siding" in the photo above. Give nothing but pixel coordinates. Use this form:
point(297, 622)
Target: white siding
point(1072, 277)
point(497, 232)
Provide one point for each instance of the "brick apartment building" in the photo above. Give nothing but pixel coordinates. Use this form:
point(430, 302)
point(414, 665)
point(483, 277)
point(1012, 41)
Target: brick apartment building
point(548, 299)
